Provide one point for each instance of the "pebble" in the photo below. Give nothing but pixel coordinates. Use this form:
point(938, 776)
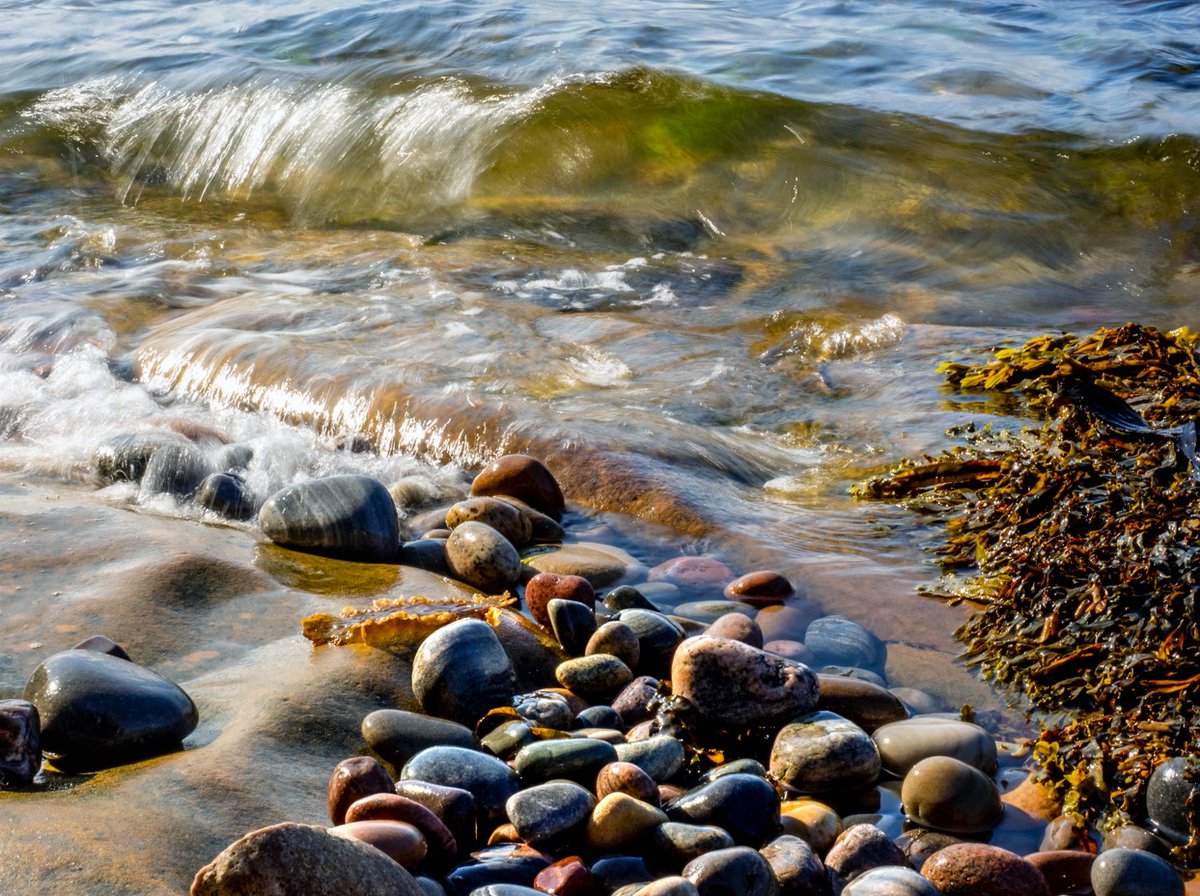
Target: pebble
point(573, 624)
point(96, 709)
point(1131, 872)
point(600, 716)
point(453, 805)
point(102, 644)
point(578, 760)
point(482, 557)
point(788, 621)
point(545, 709)
point(634, 701)
point(524, 478)
point(598, 676)
point(673, 844)
point(616, 639)
point(743, 766)
point(919, 702)
point(737, 627)
point(792, 650)
point(175, 470)
point(838, 641)
point(692, 573)
point(396, 735)
point(351, 780)
point(706, 612)
point(744, 805)
point(401, 842)
point(797, 867)
point(864, 703)
point(860, 848)
point(1128, 836)
point(461, 671)
point(890, 882)
point(1065, 870)
point(425, 553)
point(660, 756)
point(620, 820)
point(823, 753)
point(506, 864)
point(1167, 795)
point(542, 528)
point(227, 495)
point(812, 821)
point(626, 597)
point(949, 795)
point(502, 517)
point(602, 565)
point(625, 777)
point(761, 588)
point(504, 741)
point(485, 777)
point(736, 871)
point(669, 886)
point(903, 744)
point(854, 672)
point(124, 458)
point(550, 813)
point(20, 743)
point(977, 869)
point(566, 877)
point(918, 844)
point(615, 872)
point(391, 806)
point(734, 685)
point(347, 516)
point(265, 861)
point(658, 637)
point(534, 655)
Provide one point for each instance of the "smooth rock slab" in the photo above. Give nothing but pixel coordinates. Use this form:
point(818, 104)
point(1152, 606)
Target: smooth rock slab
point(349, 516)
point(822, 753)
point(20, 742)
point(734, 685)
point(97, 709)
point(977, 869)
point(301, 860)
point(601, 564)
point(1131, 872)
point(461, 671)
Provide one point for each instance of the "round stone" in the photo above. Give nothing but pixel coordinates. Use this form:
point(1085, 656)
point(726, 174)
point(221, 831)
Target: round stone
point(225, 494)
point(573, 623)
point(797, 867)
point(401, 842)
point(351, 780)
point(860, 848)
point(620, 820)
point(674, 844)
point(549, 813)
point(660, 756)
point(602, 565)
point(658, 637)
point(547, 586)
point(461, 671)
point(502, 517)
point(792, 650)
point(761, 588)
point(1131, 872)
point(597, 676)
point(97, 710)
point(734, 685)
point(746, 806)
point(576, 759)
point(397, 735)
point(890, 882)
point(500, 866)
point(542, 529)
point(736, 871)
point(1065, 870)
point(102, 644)
point(838, 641)
point(485, 777)
point(600, 716)
point(902, 744)
point(566, 877)
point(812, 821)
point(454, 806)
point(20, 742)
point(625, 777)
point(743, 766)
point(391, 806)
point(300, 860)
point(616, 639)
point(822, 753)
point(864, 703)
point(1170, 790)
point(736, 627)
point(635, 702)
point(545, 709)
point(626, 597)
point(705, 612)
point(692, 573)
point(669, 886)
point(175, 470)
point(786, 622)
point(347, 516)
point(124, 458)
point(948, 795)
point(482, 557)
point(977, 869)
point(525, 478)
point(425, 553)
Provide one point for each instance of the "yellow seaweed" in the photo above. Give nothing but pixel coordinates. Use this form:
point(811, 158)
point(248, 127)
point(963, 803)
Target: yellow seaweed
point(392, 622)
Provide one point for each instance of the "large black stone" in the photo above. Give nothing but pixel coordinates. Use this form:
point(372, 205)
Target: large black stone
point(746, 806)
point(348, 516)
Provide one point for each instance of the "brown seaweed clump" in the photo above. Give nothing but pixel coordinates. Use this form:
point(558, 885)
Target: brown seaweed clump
point(400, 621)
point(1079, 539)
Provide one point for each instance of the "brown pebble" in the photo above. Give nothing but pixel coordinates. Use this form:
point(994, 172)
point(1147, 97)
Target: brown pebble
point(1065, 870)
point(1062, 833)
point(566, 877)
point(668, 792)
point(786, 622)
point(864, 703)
point(762, 588)
point(625, 777)
point(977, 869)
point(505, 833)
point(695, 573)
point(862, 847)
point(393, 807)
point(399, 841)
point(547, 586)
point(525, 478)
point(20, 742)
point(736, 627)
point(789, 649)
point(617, 639)
point(1034, 798)
point(352, 779)
point(102, 644)
point(633, 703)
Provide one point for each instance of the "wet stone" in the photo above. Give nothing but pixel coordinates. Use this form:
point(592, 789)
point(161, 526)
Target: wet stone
point(838, 641)
point(1065, 870)
point(124, 458)
point(225, 495)
point(626, 597)
point(461, 671)
point(918, 844)
point(812, 821)
point(616, 639)
point(547, 586)
point(502, 517)
point(761, 588)
point(506, 864)
point(948, 795)
point(919, 702)
point(660, 756)
point(599, 717)
point(397, 735)
point(854, 672)
point(601, 564)
point(864, 703)
point(522, 477)
point(890, 882)
point(789, 649)
point(620, 821)
point(860, 848)
point(102, 644)
point(1170, 789)
point(977, 869)
point(694, 574)
point(625, 777)
point(96, 709)
point(1130, 872)
point(391, 806)
point(658, 637)
point(485, 777)
point(903, 744)
point(744, 805)
point(744, 766)
point(633, 703)
point(572, 623)
point(351, 780)
point(734, 685)
point(505, 741)
point(566, 877)
point(549, 813)
point(545, 710)
point(822, 753)
point(737, 627)
point(234, 458)
point(400, 842)
point(669, 886)
point(797, 868)
point(425, 553)
point(736, 871)
point(347, 516)
point(674, 844)
point(175, 470)
point(598, 676)
point(578, 760)
point(619, 871)
point(505, 890)
point(482, 557)
point(1128, 836)
point(707, 612)
point(542, 528)
point(454, 806)
point(20, 743)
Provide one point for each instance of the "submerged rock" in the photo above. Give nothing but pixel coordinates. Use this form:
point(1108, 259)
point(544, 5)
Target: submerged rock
point(124, 458)
point(902, 744)
point(226, 494)
point(822, 753)
point(525, 478)
point(176, 470)
point(501, 516)
point(1168, 794)
point(949, 795)
point(480, 556)
point(348, 516)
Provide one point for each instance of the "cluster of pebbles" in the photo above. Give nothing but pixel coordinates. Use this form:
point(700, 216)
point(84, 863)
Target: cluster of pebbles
point(705, 733)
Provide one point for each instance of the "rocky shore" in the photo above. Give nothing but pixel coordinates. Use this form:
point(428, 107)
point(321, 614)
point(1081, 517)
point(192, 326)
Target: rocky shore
point(610, 728)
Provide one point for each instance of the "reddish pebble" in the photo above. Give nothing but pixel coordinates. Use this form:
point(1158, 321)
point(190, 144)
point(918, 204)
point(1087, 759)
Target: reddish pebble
point(736, 627)
point(792, 650)
point(1065, 870)
point(788, 621)
point(668, 792)
point(525, 478)
point(547, 586)
point(505, 833)
point(399, 841)
point(761, 588)
point(393, 807)
point(627, 778)
point(633, 703)
point(692, 572)
point(352, 779)
point(566, 877)
point(977, 869)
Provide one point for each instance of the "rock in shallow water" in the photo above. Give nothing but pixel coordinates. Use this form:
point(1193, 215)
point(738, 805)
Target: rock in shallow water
point(97, 710)
point(301, 860)
point(977, 869)
point(397, 735)
point(348, 516)
point(461, 671)
point(903, 744)
point(948, 795)
point(20, 742)
point(1167, 796)
point(525, 478)
point(502, 517)
point(838, 641)
point(822, 752)
point(482, 557)
point(227, 495)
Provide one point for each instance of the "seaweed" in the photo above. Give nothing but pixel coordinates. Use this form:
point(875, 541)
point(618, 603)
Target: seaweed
point(1076, 539)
